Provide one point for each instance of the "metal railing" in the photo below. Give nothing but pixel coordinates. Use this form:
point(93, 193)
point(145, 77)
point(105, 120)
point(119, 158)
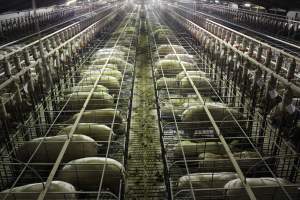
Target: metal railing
point(220, 89)
point(62, 116)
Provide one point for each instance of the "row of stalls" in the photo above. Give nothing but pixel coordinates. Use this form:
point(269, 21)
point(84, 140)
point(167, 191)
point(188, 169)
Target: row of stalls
point(283, 25)
point(75, 148)
point(213, 148)
point(16, 25)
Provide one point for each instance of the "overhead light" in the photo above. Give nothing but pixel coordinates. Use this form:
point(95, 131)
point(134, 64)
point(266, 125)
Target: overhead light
point(70, 2)
point(234, 5)
point(217, 1)
point(248, 5)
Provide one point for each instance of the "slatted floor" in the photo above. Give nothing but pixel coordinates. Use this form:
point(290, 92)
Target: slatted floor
point(145, 166)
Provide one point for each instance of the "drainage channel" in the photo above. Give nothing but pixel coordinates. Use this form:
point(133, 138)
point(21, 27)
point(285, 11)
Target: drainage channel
point(145, 165)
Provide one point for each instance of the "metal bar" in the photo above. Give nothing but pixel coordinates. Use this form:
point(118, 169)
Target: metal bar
point(110, 136)
point(23, 170)
point(70, 134)
point(252, 146)
point(283, 80)
point(53, 51)
point(217, 130)
point(176, 126)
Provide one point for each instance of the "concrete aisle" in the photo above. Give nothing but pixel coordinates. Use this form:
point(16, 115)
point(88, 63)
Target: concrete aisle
point(145, 166)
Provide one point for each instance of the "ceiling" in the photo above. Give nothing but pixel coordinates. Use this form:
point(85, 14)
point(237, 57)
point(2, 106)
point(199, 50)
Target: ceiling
point(285, 4)
point(10, 5)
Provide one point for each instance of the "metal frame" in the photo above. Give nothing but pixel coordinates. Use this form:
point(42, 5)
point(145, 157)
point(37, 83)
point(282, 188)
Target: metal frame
point(121, 102)
point(171, 128)
point(276, 25)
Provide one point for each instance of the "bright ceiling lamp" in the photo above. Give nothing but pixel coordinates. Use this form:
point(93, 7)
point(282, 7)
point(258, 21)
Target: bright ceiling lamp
point(69, 2)
point(248, 5)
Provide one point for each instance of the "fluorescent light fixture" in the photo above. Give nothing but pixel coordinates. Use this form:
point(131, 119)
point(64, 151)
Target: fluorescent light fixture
point(70, 2)
point(234, 5)
point(248, 5)
point(217, 1)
